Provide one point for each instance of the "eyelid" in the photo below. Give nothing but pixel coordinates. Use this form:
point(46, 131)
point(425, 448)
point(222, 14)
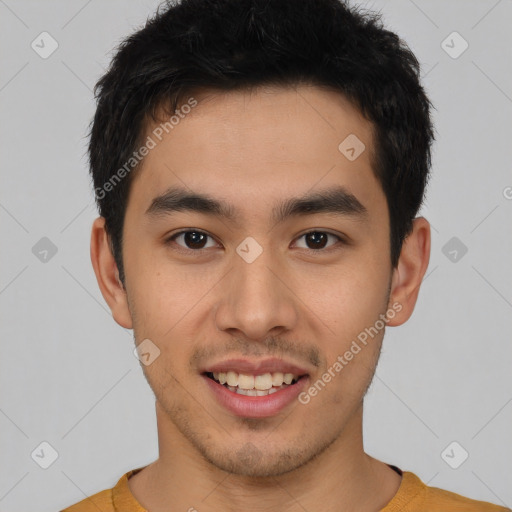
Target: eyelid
point(341, 236)
point(171, 238)
point(341, 239)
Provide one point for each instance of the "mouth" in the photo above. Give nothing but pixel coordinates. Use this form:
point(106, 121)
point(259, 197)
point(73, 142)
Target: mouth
point(255, 385)
point(244, 399)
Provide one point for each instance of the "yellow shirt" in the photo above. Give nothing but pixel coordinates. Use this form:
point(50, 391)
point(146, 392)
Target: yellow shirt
point(412, 496)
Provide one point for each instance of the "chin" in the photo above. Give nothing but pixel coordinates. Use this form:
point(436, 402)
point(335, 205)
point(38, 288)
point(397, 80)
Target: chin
point(250, 461)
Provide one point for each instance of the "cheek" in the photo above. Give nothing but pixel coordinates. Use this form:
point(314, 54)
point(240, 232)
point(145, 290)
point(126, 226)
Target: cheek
point(347, 298)
point(171, 302)
point(349, 302)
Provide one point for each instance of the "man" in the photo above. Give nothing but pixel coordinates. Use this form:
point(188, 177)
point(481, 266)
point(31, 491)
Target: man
point(258, 167)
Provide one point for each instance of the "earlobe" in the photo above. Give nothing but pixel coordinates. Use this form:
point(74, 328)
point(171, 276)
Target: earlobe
point(411, 268)
point(107, 274)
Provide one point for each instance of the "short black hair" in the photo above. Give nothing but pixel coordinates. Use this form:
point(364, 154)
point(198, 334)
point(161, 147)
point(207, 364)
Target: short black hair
point(230, 45)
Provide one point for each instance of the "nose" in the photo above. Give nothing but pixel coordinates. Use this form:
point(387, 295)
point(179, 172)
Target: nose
point(257, 299)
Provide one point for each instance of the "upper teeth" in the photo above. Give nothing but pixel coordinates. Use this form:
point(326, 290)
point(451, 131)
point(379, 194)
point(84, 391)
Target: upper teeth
point(261, 382)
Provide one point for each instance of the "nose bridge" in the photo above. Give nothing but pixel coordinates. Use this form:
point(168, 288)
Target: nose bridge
point(256, 301)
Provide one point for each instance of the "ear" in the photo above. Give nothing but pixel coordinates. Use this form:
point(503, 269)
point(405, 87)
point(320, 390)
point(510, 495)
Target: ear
point(107, 274)
point(408, 275)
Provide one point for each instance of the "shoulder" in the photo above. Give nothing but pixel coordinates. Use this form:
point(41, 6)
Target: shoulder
point(99, 501)
point(452, 501)
point(111, 500)
point(426, 499)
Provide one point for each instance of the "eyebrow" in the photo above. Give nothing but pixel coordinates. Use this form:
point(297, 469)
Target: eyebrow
point(335, 200)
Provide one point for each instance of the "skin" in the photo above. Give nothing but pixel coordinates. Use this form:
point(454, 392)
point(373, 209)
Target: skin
point(253, 149)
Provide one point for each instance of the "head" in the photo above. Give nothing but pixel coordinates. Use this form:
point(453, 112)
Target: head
point(258, 171)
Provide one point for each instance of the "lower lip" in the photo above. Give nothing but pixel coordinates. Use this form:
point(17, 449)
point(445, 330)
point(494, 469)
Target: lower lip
point(256, 406)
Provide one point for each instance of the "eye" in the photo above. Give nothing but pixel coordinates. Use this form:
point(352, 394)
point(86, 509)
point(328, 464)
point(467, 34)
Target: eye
point(317, 240)
point(192, 240)
point(195, 240)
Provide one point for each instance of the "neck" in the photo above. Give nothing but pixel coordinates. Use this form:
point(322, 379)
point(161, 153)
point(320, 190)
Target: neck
point(341, 478)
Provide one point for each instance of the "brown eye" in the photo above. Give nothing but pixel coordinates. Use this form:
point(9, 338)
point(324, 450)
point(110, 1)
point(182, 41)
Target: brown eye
point(193, 240)
point(316, 240)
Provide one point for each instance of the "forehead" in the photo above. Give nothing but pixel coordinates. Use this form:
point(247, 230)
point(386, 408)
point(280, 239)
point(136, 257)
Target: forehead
point(268, 140)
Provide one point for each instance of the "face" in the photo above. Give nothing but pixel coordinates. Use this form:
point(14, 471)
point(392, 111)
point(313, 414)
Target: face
point(279, 266)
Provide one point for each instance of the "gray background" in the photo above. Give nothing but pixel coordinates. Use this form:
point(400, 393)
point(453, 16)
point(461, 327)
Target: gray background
point(68, 374)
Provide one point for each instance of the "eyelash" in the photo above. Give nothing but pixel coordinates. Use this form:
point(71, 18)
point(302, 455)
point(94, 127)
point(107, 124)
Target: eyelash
point(172, 238)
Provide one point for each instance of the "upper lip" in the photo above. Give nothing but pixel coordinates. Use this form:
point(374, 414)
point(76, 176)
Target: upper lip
point(247, 367)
